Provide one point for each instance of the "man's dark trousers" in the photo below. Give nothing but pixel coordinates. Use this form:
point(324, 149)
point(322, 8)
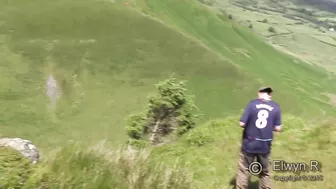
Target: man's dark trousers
point(243, 175)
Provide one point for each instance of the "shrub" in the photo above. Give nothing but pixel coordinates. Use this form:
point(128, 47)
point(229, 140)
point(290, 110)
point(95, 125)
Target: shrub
point(200, 137)
point(271, 29)
point(170, 112)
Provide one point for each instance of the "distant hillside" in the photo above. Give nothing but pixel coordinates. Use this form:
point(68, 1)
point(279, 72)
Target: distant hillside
point(329, 5)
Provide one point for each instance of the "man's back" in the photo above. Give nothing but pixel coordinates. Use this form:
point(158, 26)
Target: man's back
point(260, 117)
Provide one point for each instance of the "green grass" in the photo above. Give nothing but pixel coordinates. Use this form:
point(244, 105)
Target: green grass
point(326, 39)
point(301, 45)
point(106, 65)
point(280, 15)
point(107, 56)
point(222, 37)
point(14, 168)
point(96, 168)
point(204, 158)
point(215, 161)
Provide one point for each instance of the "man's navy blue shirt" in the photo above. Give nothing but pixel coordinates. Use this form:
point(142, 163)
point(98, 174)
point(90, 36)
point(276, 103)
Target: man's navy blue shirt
point(260, 118)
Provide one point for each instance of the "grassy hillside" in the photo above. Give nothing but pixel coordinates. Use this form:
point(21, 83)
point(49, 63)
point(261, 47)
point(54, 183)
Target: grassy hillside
point(288, 75)
point(107, 55)
point(211, 152)
point(204, 158)
point(299, 29)
point(107, 63)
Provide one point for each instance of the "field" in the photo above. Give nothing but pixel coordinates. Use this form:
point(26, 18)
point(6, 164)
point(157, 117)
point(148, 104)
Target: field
point(106, 57)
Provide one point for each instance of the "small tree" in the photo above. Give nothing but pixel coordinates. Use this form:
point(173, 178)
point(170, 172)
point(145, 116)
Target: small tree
point(271, 29)
point(170, 112)
point(250, 26)
point(264, 21)
point(230, 16)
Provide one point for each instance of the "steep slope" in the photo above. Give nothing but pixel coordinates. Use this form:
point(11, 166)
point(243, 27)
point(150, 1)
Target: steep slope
point(106, 58)
point(299, 86)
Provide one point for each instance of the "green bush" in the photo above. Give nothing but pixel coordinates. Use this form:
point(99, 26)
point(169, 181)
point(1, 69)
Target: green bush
point(200, 136)
point(271, 29)
point(170, 112)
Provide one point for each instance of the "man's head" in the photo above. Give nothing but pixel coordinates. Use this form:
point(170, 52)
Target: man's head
point(265, 92)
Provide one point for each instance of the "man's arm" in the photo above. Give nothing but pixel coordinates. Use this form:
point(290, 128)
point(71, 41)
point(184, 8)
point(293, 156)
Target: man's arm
point(277, 122)
point(244, 118)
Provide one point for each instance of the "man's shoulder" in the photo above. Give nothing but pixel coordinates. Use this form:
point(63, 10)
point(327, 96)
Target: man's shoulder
point(258, 101)
point(254, 101)
point(275, 104)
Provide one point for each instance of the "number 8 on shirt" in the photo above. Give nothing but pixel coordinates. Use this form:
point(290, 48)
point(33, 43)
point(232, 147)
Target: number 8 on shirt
point(261, 122)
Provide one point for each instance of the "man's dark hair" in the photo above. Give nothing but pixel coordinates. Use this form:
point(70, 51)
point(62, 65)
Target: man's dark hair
point(267, 90)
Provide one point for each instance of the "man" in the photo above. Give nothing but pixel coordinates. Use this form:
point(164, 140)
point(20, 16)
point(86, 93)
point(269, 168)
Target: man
point(260, 118)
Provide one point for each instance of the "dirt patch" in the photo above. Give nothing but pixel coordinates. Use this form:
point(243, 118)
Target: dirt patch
point(53, 91)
